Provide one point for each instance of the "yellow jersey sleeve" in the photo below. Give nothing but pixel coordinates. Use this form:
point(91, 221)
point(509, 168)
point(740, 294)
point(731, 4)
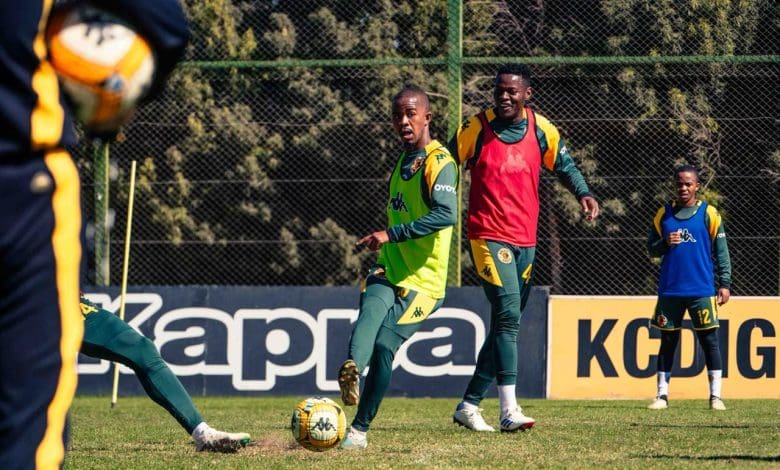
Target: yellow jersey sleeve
point(657, 220)
point(466, 139)
point(437, 160)
point(553, 137)
point(714, 217)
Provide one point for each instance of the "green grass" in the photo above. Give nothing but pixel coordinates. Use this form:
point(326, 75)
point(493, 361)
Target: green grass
point(419, 433)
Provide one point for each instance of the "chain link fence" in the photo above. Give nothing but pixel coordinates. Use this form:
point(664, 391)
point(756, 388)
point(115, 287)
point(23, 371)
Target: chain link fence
point(268, 155)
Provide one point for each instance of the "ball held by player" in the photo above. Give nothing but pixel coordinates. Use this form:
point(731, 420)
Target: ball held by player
point(104, 66)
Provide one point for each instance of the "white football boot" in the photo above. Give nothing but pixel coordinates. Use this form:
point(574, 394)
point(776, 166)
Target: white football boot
point(209, 439)
point(355, 440)
point(471, 419)
point(660, 403)
point(515, 420)
point(717, 404)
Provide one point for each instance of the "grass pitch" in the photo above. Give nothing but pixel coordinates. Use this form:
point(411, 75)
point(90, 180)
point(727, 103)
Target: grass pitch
point(419, 433)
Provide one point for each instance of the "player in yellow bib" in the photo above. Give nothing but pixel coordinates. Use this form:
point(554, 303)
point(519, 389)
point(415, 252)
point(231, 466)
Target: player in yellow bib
point(407, 283)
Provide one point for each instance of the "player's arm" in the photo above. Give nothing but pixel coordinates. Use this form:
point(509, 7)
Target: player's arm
point(162, 23)
point(720, 247)
point(463, 145)
point(441, 184)
point(656, 244)
point(556, 158)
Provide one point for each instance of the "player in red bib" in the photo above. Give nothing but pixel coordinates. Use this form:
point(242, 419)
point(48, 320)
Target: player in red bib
point(505, 148)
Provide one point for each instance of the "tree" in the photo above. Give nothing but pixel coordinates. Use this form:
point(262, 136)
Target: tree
point(264, 170)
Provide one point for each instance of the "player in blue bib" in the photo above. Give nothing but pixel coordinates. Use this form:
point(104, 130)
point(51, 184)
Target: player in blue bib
point(688, 233)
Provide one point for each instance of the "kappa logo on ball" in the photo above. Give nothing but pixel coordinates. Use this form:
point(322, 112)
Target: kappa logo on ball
point(318, 424)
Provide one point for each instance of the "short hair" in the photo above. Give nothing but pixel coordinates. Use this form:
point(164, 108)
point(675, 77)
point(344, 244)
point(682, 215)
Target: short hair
point(411, 89)
point(687, 169)
point(520, 70)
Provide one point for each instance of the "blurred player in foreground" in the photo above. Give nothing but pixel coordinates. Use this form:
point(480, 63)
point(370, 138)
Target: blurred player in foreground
point(505, 148)
point(108, 337)
point(408, 281)
point(41, 225)
point(687, 233)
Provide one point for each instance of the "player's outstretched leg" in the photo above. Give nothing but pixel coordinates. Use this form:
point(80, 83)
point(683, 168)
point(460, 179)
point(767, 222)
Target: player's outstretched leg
point(349, 383)
point(209, 439)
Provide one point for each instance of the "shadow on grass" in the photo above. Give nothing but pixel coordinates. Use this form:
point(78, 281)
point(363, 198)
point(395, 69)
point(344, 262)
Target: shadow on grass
point(585, 404)
point(699, 425)
point(755, 458)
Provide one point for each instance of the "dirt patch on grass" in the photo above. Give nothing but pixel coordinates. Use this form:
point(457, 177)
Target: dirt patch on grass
point(271, 446)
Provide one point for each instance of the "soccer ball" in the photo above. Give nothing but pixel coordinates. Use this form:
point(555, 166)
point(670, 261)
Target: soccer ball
point(318, 424)
point(104, 66)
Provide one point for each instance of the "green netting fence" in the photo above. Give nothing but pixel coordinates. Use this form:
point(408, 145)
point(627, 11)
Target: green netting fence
point(268, 154)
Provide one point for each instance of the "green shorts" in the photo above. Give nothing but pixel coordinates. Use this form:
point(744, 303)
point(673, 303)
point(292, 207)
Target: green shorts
point(669, 312)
